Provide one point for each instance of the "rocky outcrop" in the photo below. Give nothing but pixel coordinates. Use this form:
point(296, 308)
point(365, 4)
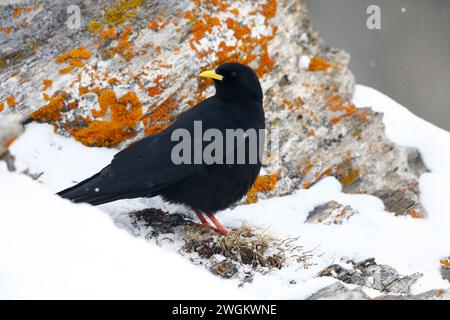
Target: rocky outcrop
point(445, 268)
point(338, 291)
point(330, 213)
point(369, 274)
point(10, 128)
point(109, 72)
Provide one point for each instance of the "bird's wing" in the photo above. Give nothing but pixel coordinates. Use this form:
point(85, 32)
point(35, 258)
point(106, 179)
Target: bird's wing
point(147, 165)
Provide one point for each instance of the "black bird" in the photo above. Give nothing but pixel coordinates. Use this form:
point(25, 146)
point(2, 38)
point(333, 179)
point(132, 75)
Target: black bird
point(146, 168)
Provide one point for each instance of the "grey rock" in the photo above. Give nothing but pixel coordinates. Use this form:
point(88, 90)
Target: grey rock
point(161, 222)
point(11, 127)
point(429, 295)
point(330, 213)
point(226, 269)
point(338, 291)
point(372, 275)
point(445, 268)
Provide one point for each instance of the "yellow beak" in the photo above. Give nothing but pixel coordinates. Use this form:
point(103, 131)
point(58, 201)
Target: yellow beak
point(211, 74)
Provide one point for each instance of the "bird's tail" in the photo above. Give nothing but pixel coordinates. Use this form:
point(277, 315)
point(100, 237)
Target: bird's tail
point(93, 190)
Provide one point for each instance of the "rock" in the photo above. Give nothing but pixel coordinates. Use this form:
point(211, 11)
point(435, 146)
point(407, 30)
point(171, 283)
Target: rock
point(445, 268)
point(372, 275)
point(11, 127)
point(226, 269)
point(429, 295)
point(161, 222)
point(338, 291)
point(144, 57)
point(330, 213)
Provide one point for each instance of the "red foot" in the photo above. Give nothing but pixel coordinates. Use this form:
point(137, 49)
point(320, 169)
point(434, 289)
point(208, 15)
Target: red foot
point(201, 218)
point(218, 226)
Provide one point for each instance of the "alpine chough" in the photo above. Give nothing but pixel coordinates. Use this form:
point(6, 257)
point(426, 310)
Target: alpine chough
point(146, 168)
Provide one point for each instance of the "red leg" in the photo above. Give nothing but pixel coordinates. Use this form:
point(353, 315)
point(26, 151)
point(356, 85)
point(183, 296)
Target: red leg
point(201, 218)
point(218, 225)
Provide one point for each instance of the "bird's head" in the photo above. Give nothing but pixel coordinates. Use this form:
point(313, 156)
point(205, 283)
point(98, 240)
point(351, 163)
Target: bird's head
point(235, 81)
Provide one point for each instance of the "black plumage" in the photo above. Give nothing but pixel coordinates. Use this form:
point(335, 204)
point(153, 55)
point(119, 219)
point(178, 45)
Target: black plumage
point(145, 168)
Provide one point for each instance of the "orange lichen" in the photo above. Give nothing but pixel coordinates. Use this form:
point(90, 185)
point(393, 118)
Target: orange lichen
point(262, 183)
point(2, 106)
point(6, 29)
point(339, 105)
point(347, 176)
point(113, 81)
point(20, 10)
point(250, 49)
point(156, 89)
point(9, 141)
point(74, 57)
point(83, 90)
point(416, 214)
point(125, 113)
point(159, 23)
point(445, 262)
point(201, 26)
point(319, 64)
point(11, 101)
point(292, 105)
point(159, 116)
point(189, 15)
point(81, 53)
point(345, 172)
point(67, 70)
point(108, 34)
point(124, 47)
point(72, 105)
point(154, 25)
point(47, 84)
point(52, 110)
point(246, 50)
point(270, 9)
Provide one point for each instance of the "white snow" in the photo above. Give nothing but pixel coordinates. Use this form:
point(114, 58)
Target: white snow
point(52, 248)
point(304, 62)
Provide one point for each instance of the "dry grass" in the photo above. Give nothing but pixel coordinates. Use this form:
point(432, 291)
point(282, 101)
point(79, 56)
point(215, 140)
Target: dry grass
point(246, 246)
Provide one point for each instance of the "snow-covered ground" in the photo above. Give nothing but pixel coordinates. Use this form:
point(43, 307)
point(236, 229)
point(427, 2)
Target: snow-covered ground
point(51, 248)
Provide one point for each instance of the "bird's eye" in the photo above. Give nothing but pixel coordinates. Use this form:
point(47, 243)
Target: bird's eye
point(233, 74)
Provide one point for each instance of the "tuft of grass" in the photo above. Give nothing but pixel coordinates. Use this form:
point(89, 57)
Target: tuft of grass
point(246, 246)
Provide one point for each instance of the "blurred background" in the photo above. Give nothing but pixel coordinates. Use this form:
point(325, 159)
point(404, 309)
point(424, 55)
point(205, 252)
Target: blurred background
point(408, 59)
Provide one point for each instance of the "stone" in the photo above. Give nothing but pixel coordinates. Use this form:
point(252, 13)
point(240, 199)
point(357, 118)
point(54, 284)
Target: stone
point(226, 269)
point(429, 295)
point(11, 127)
point(338, 291)
point(369, 274)
point(161, 222)
point(445, 268)
point(330, 213)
